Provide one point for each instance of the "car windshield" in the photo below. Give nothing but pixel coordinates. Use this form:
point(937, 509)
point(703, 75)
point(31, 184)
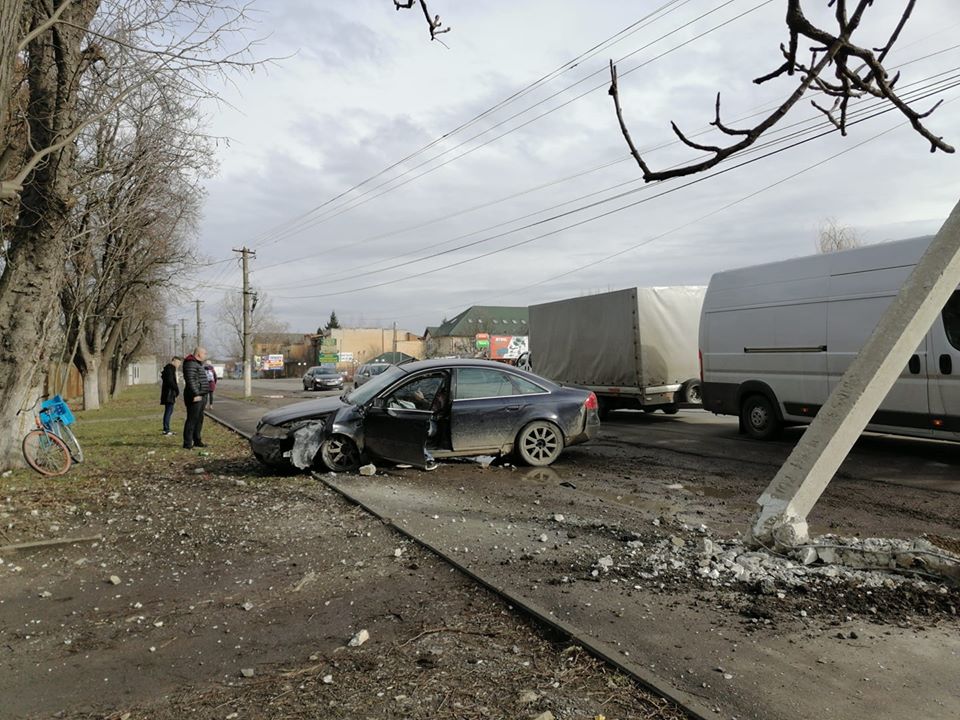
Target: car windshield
point(364, 393)
point(325, 371)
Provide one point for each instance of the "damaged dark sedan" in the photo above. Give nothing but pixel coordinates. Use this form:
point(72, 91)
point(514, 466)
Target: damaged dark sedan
point(426, 411)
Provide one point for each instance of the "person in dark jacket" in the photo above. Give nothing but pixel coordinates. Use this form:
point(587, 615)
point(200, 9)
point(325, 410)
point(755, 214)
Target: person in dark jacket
point(195, 390)
point(169, 391)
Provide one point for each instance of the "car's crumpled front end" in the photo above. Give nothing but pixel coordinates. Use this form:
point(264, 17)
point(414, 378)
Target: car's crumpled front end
point(293, 427)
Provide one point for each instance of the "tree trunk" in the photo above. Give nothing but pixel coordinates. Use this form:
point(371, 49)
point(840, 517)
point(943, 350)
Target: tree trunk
point(11, 28)
point(91, 383)
point(31, 280)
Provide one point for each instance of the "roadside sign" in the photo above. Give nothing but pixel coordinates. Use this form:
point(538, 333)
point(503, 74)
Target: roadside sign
point(483, 340)
point(346, 357)
point(325, 358)
point(273, 362)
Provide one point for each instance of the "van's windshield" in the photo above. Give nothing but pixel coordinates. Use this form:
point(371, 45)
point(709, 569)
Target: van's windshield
point(951, 319)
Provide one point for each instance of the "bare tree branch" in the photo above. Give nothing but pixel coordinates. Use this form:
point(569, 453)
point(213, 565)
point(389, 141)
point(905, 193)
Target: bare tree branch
point(432, 22)
point(832, 49)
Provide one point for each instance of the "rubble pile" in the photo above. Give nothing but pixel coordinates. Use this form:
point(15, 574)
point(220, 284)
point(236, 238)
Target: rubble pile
point(868, 570)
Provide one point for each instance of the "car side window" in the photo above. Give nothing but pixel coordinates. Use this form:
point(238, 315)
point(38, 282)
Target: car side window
point(475, 383)
point(951, 319)
point(418, 394)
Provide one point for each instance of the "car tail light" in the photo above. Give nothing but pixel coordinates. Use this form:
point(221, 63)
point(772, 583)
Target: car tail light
point(700, 358)
point(591, 402)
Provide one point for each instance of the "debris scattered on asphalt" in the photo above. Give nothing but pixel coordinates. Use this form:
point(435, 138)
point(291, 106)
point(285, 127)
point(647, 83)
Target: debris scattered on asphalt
point(368, 470)
point(359, 639)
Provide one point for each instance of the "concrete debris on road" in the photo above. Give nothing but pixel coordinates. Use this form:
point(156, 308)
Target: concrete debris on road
point(114, 580)
point(359, 639)
point(247, 672)
point(368, 470)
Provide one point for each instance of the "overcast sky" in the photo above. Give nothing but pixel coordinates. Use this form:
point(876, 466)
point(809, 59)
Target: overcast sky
point(363, 87)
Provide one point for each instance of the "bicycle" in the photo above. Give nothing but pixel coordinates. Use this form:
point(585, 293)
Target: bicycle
point(51, 447)
point(56, 416)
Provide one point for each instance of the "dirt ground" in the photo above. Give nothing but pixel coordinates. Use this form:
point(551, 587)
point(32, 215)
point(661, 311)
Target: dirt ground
point(219, 591)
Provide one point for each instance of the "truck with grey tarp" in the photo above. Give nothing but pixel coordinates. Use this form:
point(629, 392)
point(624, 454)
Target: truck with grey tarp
point(634, 348)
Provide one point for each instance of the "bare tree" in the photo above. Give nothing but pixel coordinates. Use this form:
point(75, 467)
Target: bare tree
point(175, 44)
point(857, 72)
point(137, 203)
point(833, 237)
point(264, 325)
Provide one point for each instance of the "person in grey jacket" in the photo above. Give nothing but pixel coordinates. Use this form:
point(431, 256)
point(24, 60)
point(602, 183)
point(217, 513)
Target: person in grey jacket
point(195, 390)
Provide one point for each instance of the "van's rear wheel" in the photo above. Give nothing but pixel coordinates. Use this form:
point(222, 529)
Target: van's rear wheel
point(759, 419)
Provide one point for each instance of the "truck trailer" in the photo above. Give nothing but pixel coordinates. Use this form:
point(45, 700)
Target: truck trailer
point(634, 348)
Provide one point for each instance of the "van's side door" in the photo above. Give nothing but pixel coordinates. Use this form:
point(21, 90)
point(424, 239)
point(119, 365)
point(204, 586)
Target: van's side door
point(851, 320)
point(944, 369)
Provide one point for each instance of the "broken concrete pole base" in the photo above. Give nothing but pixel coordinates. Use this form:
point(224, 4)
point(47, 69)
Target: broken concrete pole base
point(775, 527)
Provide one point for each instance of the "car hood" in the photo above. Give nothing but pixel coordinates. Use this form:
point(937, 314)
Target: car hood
point(303, 410)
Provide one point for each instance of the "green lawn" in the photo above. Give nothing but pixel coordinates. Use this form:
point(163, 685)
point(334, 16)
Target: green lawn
point(124, 439)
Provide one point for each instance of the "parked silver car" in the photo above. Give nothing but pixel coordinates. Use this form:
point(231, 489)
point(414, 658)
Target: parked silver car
point(365, 372)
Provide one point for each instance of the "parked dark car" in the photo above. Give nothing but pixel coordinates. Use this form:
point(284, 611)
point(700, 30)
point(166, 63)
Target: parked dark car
point(365, 372)
point(427, 410)
point(321, 378)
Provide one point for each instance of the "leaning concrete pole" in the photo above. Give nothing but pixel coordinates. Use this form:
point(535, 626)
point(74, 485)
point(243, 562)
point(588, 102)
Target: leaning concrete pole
point(798, 485)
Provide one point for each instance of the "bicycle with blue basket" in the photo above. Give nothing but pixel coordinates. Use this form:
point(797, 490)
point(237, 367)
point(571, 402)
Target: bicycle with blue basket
point(52, 447)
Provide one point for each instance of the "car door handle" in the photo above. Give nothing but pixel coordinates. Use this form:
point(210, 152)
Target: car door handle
point(512, 408)
point(946, 364)
point(914, 365)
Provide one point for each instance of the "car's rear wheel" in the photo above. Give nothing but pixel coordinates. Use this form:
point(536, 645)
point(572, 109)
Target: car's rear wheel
point(539, 443)
point(340, 454)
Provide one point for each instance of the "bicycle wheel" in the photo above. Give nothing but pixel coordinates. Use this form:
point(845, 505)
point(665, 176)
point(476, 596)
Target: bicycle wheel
point(63, 431)
point(46, 453)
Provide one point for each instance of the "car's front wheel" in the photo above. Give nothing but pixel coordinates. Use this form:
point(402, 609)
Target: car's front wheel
point(539, 443)
point(340, 454)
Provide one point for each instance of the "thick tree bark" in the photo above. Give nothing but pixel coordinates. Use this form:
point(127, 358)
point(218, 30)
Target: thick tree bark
point(31, 280)
point(11, 28)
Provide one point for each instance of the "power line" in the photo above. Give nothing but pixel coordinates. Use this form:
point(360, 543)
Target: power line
point(952, 82)
point(363, 198)
point(698, 180)
point(569, 65)
point(706, 129)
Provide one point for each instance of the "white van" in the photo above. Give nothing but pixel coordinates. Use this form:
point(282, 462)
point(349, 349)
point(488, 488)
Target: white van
point(775, 340)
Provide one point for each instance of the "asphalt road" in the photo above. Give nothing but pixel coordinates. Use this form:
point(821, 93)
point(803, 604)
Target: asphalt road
point(910, 462)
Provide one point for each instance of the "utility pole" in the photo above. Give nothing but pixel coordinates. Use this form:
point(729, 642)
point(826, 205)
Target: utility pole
point(183, 337)
point(199, 342)
point(173, 340)
point(784, 505)
point(245, 254)
point(394, 339)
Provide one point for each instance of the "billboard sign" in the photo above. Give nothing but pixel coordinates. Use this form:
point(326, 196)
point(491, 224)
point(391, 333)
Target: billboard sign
point(327, 358)
point(508, 347)
point(483, 340)
point(346, 357)
point(273, 362)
